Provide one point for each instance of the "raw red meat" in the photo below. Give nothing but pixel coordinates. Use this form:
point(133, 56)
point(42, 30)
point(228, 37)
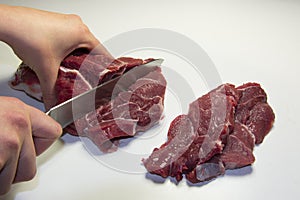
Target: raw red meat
point(227, 122)
point(206, 171)
point(254, 111)
point(212, 118)
point(168, 159)
point(131, 111)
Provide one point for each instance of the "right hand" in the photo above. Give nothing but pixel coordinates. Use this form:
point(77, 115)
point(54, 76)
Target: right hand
point(25, 133)
point(42, 45)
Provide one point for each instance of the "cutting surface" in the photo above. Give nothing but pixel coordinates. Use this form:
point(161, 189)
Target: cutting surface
point(247, 41)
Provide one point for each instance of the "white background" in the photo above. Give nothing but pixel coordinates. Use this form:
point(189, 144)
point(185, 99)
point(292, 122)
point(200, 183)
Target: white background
point(247, 40)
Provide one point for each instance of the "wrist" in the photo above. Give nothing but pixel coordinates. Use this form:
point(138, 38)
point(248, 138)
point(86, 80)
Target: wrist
point(12, 19)
point(6, 22)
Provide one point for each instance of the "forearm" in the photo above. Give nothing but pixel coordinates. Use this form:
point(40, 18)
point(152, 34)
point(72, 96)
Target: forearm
point(8, 23)
point(13, 22)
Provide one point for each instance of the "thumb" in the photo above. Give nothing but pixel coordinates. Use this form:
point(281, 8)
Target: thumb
point(45, 130)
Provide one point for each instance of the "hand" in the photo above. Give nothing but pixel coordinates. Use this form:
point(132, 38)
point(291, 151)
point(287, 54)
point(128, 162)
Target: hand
point(43, 39)
point(25, 133)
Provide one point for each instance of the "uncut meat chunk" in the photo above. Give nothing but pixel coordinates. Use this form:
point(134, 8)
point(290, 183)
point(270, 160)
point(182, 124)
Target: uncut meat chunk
point(26, 80)
point(135, 110)
point(88, 71)
point(132, 111)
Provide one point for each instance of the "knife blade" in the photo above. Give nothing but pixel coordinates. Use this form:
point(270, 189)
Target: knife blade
point(76, 107)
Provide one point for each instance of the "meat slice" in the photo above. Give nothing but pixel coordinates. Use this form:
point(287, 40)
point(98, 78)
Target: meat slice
point(244, 134)
point(163, 160)
point(227, 123)
point(260, 121)
point(206, 171)
point(236, 154)
point(254, 111)
point(212, 118)
point(131, 111)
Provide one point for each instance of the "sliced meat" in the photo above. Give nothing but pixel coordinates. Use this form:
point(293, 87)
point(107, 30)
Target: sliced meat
point(212, 118)
point(206, 171)
point(236, 154)
point(163, 160)
point(260, 121)
point(244, 134)
point(227, 122)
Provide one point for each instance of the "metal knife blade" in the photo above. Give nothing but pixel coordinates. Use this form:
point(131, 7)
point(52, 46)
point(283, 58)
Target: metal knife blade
point(76, 107)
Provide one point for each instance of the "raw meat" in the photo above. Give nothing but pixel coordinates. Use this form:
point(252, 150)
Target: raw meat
point(135, 110)
point(254, 111)
point(212, 118)
point(206, 171)
point(167, 160)
point(131, 111)
point(227, 122)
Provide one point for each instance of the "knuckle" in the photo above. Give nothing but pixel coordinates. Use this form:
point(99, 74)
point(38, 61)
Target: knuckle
point(74, 17)
point(16, 101)
point(18, 120)
point(83, 30)
point(79, 25)
point(12, 143)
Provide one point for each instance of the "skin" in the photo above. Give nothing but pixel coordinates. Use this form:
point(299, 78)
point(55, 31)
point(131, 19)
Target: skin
point(41, 40)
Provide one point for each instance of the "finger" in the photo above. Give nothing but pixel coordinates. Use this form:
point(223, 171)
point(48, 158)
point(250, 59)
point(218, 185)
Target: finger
point(26, 168)
point(106, 57)
point(44, 130)
point(7, 173)
point(97, 48)
point(7, 176)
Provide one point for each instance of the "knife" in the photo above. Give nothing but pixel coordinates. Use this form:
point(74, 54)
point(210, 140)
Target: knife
point(77, 107)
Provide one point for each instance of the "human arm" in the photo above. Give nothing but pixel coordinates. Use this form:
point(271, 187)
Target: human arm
point(40, 39)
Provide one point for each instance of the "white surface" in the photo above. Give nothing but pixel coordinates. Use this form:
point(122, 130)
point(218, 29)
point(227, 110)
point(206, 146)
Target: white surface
point(247, 41)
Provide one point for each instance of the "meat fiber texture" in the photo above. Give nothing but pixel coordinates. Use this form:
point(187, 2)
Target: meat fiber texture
point(218, 133)
point(136, 109)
